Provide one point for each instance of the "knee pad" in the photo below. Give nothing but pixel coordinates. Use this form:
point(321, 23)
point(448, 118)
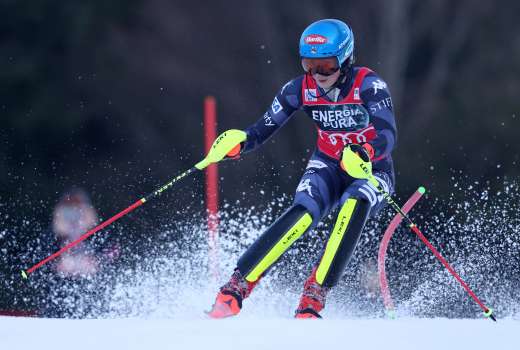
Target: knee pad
point(310, 204)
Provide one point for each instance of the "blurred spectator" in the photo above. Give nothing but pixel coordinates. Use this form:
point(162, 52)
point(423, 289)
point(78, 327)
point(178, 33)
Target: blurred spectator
point(72, 217)
point(75, 287)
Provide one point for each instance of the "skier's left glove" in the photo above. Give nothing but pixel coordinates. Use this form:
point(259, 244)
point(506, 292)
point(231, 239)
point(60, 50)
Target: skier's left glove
point(357, 167)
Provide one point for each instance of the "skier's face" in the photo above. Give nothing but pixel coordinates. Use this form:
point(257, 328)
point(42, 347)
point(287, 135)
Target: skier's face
point(324, 70)
point(326, 81)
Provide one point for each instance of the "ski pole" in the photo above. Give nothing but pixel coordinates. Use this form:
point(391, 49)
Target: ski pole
point(488, 312)
point(221, 146)
point(364, 170)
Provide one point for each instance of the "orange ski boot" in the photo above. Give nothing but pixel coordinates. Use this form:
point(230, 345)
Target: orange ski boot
point(229, 299)
point(312, 300)
point(227, 304)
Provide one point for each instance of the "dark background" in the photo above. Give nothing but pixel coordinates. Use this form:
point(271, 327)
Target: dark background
point(108, 95)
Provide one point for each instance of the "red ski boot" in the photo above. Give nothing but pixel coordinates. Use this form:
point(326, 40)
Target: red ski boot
point(312, 300)
point(229, 299)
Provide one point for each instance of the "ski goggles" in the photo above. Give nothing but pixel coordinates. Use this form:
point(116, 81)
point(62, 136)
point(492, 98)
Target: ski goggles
point(323, 66)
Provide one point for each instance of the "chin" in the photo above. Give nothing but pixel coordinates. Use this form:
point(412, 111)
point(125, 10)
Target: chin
point(325, 82)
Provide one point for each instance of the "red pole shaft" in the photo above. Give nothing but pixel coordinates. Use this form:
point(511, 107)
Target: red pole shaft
point(210, 132)
point(487, 311)
point(86, 235)
point(448, 266)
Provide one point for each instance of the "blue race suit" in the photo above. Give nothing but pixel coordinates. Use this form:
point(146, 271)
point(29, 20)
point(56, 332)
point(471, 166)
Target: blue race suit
point(359, 109)
point(361, 112)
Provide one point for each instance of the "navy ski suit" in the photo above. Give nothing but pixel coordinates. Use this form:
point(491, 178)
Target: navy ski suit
point(362, 112)
point(358, 110)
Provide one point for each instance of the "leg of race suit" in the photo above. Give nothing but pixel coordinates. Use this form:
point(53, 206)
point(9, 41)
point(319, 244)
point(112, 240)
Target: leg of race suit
point(270, 246)
point(358, 202)
point(261, 255)
point(340, 246)
point(315, 196)
point(342, 241)
point(319, 190)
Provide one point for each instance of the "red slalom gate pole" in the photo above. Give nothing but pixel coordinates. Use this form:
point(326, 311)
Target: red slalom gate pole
point(381, 258)
point(210, 134)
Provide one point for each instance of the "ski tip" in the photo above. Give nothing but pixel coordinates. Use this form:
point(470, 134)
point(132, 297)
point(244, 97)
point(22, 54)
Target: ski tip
point(421, 190)
point(24, 275)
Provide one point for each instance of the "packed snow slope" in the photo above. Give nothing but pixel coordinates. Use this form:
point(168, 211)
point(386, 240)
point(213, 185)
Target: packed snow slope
point(253, 333)
point(154, 297)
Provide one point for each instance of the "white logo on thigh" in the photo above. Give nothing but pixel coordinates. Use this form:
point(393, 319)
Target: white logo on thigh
point(370, 194)
point(383, 184)
point(305, 185)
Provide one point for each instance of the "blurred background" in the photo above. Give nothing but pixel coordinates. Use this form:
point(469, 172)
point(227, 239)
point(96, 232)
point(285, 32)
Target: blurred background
point(107, 96)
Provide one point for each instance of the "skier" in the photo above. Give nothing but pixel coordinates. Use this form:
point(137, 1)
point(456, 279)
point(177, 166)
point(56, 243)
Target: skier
point(351, 107)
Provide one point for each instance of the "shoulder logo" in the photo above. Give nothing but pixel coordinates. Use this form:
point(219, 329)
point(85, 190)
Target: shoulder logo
point(378, 85)
point(315, 39)
point(276, 106)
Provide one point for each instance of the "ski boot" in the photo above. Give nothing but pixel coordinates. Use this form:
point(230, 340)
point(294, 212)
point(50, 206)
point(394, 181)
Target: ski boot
point(312, 300)
point(229, 299)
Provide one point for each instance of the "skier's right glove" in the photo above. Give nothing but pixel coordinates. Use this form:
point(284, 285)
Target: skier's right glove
point(227, 144)
point(235, 152)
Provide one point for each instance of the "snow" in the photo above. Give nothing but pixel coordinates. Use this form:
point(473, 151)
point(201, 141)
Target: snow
point(157, 304)
point(261, 333)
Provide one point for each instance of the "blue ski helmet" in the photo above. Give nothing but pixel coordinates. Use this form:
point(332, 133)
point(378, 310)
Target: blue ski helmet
point(328, 38)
